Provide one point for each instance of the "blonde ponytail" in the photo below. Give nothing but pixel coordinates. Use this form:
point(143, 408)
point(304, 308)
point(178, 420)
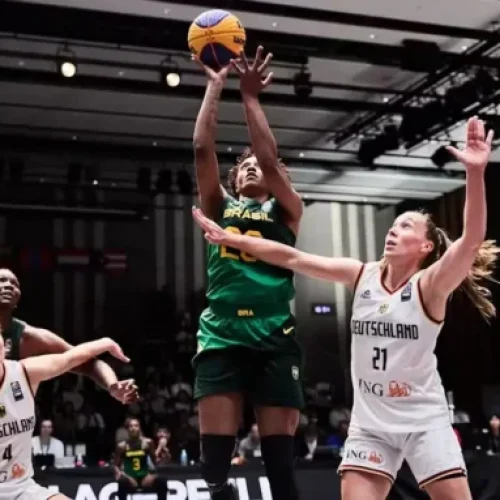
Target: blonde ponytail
point(480, 273)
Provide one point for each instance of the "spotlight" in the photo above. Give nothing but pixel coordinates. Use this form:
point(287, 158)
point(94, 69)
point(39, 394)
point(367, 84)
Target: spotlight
point(302, 84)
point(170, 74)
point(66, 63)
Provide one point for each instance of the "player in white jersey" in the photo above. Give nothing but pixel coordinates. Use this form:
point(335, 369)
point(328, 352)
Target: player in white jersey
point(400, 409)
point(19, 381)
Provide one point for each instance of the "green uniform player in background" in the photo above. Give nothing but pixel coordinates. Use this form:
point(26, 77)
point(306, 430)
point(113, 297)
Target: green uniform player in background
point(247, 346)
point(134, 460)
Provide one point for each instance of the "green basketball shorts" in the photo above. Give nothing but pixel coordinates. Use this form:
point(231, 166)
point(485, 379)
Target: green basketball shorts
point(268, 374)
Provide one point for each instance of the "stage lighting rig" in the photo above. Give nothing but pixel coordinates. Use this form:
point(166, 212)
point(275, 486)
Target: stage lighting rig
point(170, 74)
point(302, 84)
point(66, 62)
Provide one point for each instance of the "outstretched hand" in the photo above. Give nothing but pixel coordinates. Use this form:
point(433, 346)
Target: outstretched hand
point(252, 79)
point(477, 149)
point(213, 232)
point(212, 75)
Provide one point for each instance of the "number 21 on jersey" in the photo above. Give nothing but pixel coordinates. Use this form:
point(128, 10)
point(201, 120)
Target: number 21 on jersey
point(231, 253)
point(379, 359)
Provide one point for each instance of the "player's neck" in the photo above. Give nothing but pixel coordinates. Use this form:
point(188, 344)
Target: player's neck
point(259, 199)
point(45, 439)
point(395, 275)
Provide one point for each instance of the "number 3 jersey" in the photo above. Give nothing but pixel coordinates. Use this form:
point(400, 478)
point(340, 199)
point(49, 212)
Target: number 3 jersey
point(397, 387)
point(17, 422)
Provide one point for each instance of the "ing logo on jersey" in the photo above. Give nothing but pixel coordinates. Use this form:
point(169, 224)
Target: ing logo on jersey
point(3, 411)
point(366, 294)
point(18, 471)
point(399, 390)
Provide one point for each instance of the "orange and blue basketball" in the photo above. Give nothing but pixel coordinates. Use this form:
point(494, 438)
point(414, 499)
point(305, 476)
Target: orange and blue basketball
point(216, 37)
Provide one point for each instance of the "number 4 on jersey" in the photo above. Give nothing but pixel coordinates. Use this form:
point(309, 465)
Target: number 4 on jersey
point(379, 360)
point(7, 454)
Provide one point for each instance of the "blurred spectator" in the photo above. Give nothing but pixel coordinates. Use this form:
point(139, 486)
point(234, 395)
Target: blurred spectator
point(181, 385)
point(121, 433)
point(157, 403)
point(338, 438)
point(494, 438)
point(66, 423)
point(45, 443)
point(163, 453)
point(338, 413)
point(250, 445)
point(71, 391)
point(90, 421)
point(309, 441)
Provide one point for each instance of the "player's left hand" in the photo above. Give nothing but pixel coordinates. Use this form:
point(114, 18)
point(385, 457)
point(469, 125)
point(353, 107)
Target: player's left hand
point(252, 79)
point(213, 232)
point(125, 391)
point(477, 149)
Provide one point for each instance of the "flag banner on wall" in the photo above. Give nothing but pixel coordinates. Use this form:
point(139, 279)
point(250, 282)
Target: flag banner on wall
point(115, 261)
point(37, 259)
point(73, 258)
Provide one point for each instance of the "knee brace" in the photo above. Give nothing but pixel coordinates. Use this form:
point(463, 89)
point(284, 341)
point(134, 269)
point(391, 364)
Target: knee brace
point(278, 456)
point(216, 454)
point(160, 488)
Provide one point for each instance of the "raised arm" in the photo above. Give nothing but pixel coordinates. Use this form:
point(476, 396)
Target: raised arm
point(38, 341)
point(342, 270)
point(445, 275)
point(263, 143)
point(41, 368)
point(205, 156)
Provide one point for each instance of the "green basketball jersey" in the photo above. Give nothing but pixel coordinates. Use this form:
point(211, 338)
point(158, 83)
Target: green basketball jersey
point(12, 339)
point(135, 459)
point(237, 278)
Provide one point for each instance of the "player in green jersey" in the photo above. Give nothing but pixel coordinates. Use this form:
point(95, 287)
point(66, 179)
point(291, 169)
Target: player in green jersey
point(246, 341)
point(23, 341)
point(133, 460)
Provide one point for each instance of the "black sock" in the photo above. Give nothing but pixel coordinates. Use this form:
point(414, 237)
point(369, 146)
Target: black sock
point(216, 454)
point(278, 456)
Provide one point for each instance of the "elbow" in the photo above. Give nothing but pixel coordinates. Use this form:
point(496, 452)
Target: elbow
point(201, 148)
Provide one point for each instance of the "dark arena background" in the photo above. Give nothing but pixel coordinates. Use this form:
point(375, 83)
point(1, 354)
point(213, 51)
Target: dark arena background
point(97, 185)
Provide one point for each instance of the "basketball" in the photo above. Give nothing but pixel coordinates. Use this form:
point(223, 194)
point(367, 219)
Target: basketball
point(216, 37)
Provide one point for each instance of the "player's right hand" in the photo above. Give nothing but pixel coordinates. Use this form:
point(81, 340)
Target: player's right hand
point(115, 350)
point(213, 232)
point(213, 75)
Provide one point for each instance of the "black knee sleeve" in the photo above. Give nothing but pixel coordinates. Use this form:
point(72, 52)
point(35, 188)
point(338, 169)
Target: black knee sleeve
point(216, 454)
point(124, 488)
point(278, 456)
point(160, 488)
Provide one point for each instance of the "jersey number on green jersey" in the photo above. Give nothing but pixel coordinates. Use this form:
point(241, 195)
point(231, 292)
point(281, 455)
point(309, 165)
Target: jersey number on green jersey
point(231, 253)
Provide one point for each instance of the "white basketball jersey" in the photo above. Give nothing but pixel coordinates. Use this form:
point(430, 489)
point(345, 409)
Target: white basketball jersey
point(17, 422)
point(397, 387)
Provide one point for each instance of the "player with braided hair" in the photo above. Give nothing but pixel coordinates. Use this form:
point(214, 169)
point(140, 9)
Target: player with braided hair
point(246, 341)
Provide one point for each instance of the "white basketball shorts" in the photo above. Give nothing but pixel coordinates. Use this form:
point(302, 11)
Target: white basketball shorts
point(431, 455)
point(33, 491)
